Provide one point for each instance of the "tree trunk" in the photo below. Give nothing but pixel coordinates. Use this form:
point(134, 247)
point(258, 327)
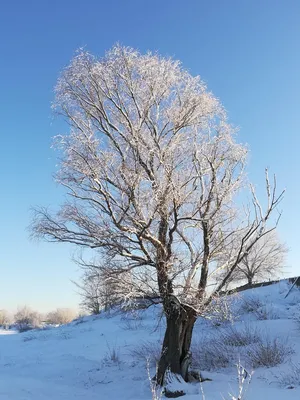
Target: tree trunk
point(176, 354)
point(250, 280)
point(204, 269)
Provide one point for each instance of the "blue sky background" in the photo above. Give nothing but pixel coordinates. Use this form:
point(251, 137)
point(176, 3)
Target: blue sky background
point(248, 52)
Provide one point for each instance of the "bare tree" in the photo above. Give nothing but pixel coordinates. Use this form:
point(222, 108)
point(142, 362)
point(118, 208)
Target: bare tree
point(5, 318)
point(91, 291)
point(265, 260)
point(61, 316)
point(98, 291)
point(103, 287)
point(152, 170)
point(27, 319)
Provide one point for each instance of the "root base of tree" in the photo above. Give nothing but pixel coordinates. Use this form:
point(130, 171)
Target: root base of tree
point(193, 377)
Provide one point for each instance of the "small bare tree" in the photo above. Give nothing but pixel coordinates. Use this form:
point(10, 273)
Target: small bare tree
point(103, 287)
point(152, 170)
point(5, 318)
point(61, 316)
point(27, 319)
point(265, 260)
point(98, 291)
point(91, 291)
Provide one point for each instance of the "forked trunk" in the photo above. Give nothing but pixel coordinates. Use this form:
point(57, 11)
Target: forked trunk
point(176, 354)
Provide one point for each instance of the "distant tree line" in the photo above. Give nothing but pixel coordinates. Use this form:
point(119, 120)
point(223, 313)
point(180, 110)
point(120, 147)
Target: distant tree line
point(25, 318)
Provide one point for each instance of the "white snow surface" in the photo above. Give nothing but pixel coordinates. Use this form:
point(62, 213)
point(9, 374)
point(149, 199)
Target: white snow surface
point(92, 358)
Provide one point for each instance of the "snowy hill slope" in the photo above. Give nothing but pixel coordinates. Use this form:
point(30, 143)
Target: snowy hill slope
point(103, 357)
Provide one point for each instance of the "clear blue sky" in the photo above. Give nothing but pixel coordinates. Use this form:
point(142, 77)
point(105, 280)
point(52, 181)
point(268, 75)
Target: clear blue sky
point(248, 52)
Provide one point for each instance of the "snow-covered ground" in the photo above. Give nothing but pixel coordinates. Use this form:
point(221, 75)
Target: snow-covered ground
point(95, 358)
point(7, 332)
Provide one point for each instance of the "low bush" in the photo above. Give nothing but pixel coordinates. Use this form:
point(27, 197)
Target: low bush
point(269, 352)
point(61, 316)
point(290, 378)
point(132, 320)
point(220, 311)
point(147, 351)
point(5, 319)
point(27, 319)
point(210, 354)
point(250, 304)
point(244, 336)
point(112, 356)
point(266, 312)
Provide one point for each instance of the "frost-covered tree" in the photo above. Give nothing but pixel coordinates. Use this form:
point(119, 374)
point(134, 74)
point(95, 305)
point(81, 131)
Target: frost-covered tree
point(265, 260)
point(61, 316)
point(5, 318)
point(152, 169)
point(91, 291)
point(98, 291)
point(101, 288)
point(26, 319)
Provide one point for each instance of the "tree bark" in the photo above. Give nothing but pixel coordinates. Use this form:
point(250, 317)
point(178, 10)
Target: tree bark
point(204, 269)
point(176, 354)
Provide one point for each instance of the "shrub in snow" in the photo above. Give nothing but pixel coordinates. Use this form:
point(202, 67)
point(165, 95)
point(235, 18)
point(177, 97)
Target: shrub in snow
point(253, 304)
point(244, 336)
point(147, 351)
point(61, 316)
point(269, 352)
point(112, 355)
point(250, 304)
point(27, 319)
point(220, 311)
point(266, 312)
point(132, 320)
point(210, 354)
point(221, 351)
point(5, 319)
point(290, 378)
